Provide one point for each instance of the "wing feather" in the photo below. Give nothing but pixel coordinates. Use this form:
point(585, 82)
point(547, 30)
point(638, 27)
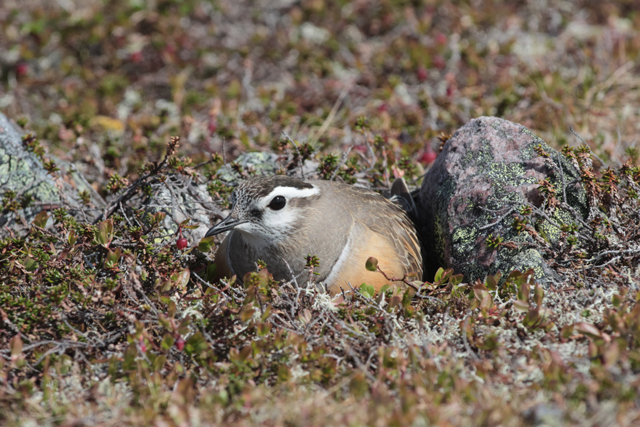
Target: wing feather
point(391, 222)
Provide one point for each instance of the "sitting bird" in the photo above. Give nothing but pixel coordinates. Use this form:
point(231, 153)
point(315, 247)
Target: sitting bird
point(281, 220)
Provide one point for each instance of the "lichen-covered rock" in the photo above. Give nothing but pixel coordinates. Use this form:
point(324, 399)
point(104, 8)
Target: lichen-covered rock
point(261, 163)
point(486, 172)
point(181, 199)
point(26, 188)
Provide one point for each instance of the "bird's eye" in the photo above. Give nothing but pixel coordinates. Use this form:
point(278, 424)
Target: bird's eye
point(277, 203)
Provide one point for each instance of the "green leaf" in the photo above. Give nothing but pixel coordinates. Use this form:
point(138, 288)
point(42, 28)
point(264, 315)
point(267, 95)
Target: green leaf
point(167, 342)
point(246, 313)
point(206, 244)
point(521, 305)
point(266, 314)
point(166, 285)
point(407, 297)
point(491, 283)
point(159, 362)
point(616, 300)
point(105, 232)
point(284, 373)
point(182, 278)
point(538, 295)
point(409, 311)
point(72, 237)
point(490, 342)
point(523, 292)
point(371, 264)
point(41, 219)
point(381, 294)
point(358, 385)
point(456, 279)
point(184, 224)
point(158, 217)
point(263, 329)
point(532, 318)
point(171, 308)
point(129, 358)
point(30, 264)
point(438, 275)
point(566, 331)
point(212, 269)
point(196, 344)
point(367, 290)
point(164, 321)
point(112, 258)
point(518, 278)
point(245, 352)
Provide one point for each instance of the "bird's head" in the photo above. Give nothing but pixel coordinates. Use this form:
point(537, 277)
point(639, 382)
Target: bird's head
point(267, 210)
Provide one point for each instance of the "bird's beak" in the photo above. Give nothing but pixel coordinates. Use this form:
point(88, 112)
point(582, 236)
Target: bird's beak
point(229, 223)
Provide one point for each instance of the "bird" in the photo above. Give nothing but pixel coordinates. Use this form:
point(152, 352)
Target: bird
point(281, 220)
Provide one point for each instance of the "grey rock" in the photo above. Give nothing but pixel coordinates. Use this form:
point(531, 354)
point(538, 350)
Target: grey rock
point(21, 172)
point(485, 173)
point(181, 199)
point(261, 163)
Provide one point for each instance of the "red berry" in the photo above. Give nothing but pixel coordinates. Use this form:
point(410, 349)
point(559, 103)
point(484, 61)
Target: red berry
point(441, 38)
point(212, 126)
point(182, 243)
point(180, 344)
point(428, 157)
point(21, 69)
point(439, 62)
point(136, 56)
point(170, 49)
point(450, 90)
point(143, 346)
point(422, 73)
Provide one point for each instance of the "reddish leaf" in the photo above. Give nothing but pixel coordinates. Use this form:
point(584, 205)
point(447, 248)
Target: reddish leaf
point(588, 329)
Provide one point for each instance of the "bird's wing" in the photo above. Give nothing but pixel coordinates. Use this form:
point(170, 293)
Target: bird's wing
point(401, 195)
point(391, 222)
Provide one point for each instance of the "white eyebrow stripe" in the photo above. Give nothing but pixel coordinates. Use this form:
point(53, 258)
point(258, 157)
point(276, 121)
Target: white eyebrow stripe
point(288, 193)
